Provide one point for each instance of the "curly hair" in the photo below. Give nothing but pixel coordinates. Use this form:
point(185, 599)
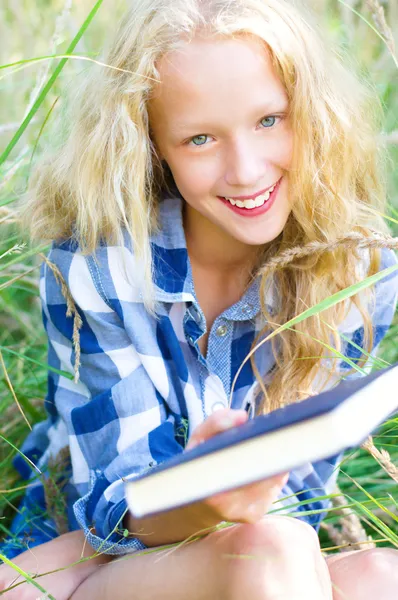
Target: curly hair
point(106, 176)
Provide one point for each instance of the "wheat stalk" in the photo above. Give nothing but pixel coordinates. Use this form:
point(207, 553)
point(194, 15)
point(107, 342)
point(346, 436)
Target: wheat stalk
point(379, 19)
point(382, 457)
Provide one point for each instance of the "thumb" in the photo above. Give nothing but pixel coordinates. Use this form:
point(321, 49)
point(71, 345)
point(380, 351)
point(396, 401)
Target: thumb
point(218, 422)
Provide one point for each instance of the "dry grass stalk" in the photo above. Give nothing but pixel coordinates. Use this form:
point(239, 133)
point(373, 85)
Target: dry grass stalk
point(71, 310)
point(45, 68)
point(53, 489)
point(8, 380)
point(8, 221)
point(19, 161)
point(352, 240)
point(352, 532)
point(17, 277)
point(379, 19)
point(5, 210)
point(382, 457)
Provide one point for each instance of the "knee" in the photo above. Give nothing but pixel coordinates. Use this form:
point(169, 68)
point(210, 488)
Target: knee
point(366, 574)
point(377, 564)
point(284, 536)
point(381, 562)
point(260, 554)
point(54, 555)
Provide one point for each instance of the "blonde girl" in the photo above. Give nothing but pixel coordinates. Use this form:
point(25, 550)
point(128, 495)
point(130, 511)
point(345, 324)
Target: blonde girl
point(223, 136)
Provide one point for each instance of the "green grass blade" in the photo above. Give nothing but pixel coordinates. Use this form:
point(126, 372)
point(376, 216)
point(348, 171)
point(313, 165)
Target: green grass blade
point(26, 576)
point(24, 357)
point(318, 308)
point(8, 201)
point(20, 257)
point(377, 361)
point(352, 9)
point(335, 352)
point(35, 59)
point(336, 298)
point(49, 84)
point(26, 459)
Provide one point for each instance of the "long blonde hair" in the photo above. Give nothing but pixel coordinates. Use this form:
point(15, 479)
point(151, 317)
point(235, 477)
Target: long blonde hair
point(106, 176)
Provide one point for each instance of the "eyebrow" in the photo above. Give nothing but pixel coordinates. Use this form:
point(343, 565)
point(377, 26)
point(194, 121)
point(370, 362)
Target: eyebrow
point(185, 127)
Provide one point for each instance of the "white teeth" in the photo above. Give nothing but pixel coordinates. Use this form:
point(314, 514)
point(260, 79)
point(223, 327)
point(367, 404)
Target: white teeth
point(259, 201)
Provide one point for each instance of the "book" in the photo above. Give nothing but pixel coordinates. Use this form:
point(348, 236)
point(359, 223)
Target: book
point(319, 427)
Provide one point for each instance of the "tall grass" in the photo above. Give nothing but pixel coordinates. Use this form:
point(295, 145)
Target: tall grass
point(31, 93)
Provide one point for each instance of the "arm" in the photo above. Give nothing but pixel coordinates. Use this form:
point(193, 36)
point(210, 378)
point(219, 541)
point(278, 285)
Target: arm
point(172, 526)
point(245, 504)
point(118, 422)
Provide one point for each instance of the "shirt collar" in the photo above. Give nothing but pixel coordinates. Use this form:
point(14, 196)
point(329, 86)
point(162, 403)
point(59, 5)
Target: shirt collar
point(172, 269)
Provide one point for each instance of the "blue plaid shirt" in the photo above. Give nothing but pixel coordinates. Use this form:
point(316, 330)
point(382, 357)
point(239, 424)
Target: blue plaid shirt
point(142, 380)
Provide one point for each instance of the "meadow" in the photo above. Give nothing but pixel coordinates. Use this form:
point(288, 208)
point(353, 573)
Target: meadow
point(33, 83)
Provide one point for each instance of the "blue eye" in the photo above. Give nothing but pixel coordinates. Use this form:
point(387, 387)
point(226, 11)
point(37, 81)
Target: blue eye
point(204, 136)
point(267, 118)
point(198, 136)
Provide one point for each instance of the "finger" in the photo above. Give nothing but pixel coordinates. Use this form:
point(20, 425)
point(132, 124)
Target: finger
point(262, 488)
point(254, 492)
point(259, 507)
point(219, 421)
point(233, 504)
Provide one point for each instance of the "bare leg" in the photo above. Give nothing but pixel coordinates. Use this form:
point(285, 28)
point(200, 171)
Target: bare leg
point(276, 559)
point(365, 574)
point(55, 554)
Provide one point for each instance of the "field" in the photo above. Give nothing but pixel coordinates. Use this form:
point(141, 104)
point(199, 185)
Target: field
point(45, 28)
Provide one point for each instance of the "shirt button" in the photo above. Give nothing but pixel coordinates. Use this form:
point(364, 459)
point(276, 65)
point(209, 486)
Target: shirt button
point(247, 308)
point(217, 406)
point(222, 330)
point(190, 340)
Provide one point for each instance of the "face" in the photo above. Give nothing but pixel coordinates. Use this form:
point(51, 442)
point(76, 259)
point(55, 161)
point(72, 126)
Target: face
point(219, 119)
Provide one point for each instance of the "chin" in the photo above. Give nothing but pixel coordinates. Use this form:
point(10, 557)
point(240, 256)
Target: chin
point(259, 240)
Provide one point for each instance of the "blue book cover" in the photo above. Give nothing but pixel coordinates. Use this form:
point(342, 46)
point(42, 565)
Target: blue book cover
point(315, 428)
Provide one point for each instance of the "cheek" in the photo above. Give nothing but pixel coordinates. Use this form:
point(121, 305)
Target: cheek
point(196, 179)
point(285, 152)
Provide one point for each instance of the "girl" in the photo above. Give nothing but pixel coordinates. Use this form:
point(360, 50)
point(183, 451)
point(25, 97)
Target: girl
point(223, 136)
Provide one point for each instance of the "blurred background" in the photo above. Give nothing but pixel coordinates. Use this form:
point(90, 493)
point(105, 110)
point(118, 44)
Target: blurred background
point(362, 30)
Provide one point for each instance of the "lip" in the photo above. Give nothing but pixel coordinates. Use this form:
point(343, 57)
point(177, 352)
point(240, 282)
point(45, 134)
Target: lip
point(254, 212)
point(253, 197)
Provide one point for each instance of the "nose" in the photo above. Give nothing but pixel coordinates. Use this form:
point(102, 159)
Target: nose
point(245, 166)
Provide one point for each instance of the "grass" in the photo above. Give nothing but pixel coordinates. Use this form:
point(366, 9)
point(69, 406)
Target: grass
point(30, 92)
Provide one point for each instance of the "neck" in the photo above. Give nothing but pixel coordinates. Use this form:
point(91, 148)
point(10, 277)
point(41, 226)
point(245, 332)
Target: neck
point(213, 249)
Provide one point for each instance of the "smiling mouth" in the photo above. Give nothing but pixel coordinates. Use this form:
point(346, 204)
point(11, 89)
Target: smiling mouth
point(260, 200)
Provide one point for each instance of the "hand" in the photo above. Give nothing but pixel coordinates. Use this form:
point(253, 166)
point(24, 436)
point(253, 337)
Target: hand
point(246, 504)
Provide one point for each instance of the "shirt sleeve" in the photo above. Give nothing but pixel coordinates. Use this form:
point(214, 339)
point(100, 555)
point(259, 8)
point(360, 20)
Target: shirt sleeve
point(118, 423)
point(312, 481)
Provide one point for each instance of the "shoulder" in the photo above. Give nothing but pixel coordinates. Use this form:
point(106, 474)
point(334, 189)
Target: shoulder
point(96, 280)
point(388, 259)
point(386, 288)
point(383, 301)
point(114, 272)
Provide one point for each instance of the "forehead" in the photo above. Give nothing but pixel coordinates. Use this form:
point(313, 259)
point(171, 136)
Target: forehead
point(207, 75)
